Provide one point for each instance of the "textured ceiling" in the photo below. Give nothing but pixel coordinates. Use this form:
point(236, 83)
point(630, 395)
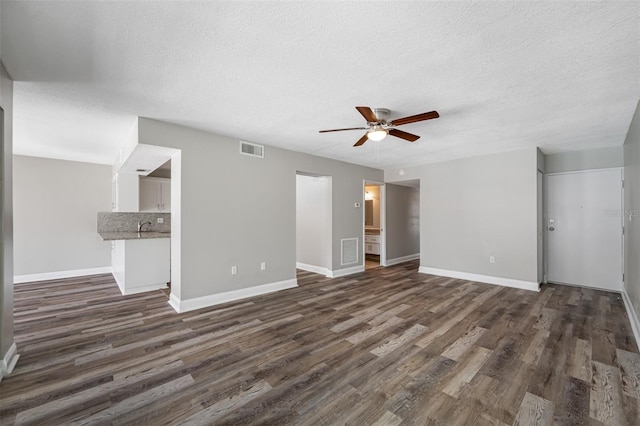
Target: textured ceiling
point(502, 75)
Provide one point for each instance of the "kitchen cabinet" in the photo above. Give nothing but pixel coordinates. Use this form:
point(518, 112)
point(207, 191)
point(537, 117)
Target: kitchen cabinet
point(155, 194)
point(124, 192)
point(372, 244)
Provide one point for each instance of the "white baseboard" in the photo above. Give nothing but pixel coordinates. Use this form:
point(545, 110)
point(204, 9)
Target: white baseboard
point(487, 279)
point(402, 259)
point(313, 268)
point(229, 296)
point(346, 271)
point(61, 274)
point(9, 361)
point(174, 302)
point(142, 289)
point(633, 316)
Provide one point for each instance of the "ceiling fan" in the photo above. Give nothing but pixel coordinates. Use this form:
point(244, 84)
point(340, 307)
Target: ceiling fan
point(378, 126)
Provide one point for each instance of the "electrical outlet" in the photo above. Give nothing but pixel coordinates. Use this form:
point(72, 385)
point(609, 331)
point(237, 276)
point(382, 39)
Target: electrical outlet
point(263, 266)
point(234, 270)
point(161, 220)
point(492, 259)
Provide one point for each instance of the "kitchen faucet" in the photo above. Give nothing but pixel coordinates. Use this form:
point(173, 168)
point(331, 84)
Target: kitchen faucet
point(142, 224)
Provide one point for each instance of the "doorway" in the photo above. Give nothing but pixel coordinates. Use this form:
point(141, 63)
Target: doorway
point(373, 225)
point(584, 228)
point(314, 223)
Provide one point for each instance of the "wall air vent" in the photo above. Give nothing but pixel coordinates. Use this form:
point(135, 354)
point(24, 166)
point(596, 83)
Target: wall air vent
point(349, 251)
point(251, 149)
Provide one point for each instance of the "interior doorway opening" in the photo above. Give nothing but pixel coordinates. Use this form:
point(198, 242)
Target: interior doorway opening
point(402, 221)
point(314, 223)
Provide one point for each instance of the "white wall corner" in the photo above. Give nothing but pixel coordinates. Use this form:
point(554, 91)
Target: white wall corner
point(9, 361)
point(402, 259)
point(229, 296)
point(312, 268)
point(61, 274)
point(505, 282)
point(633, 316)
point(345, 271)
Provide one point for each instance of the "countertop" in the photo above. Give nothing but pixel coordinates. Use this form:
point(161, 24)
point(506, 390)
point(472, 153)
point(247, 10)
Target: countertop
point(145, 235)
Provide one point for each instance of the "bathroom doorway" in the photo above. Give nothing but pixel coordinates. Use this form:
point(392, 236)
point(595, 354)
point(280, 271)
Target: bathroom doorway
point(374, 248)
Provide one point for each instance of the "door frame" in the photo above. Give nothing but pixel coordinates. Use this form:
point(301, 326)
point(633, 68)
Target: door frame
point(546, 215)
point(383, 220)
point(326, 270)
point(541, 208)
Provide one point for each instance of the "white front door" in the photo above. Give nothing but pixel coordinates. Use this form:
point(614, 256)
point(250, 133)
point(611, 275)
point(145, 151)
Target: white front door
point(584, 228)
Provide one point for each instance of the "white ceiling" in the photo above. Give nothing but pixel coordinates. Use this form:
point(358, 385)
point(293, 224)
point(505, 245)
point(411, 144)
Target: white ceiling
point(502, 75)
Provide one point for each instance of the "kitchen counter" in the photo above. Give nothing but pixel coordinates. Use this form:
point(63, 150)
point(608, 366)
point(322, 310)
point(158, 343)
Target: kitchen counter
point(145, 235)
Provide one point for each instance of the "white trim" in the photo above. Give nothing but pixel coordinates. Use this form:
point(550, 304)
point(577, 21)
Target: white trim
point(61, 274)
point(313, 268)
point(612, 290)
point(229, 296)
point(584, 171)
point(174, 302)
point(505, 282)
point(346, 271)
point(402, 259)
point(9, 361)
point(142, 289)
point(633, 316)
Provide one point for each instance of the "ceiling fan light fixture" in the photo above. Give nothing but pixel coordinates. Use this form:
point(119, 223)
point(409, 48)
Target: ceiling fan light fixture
point(377, 134)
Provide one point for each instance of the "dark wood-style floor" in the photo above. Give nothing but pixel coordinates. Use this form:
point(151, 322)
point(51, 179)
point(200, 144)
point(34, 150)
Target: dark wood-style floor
point(388, 347)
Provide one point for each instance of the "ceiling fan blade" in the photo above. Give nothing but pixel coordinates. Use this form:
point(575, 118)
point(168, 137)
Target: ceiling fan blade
point(340, 130)
point(367, 113)
point(403, 135)
point(415, 118)
point(362, 140)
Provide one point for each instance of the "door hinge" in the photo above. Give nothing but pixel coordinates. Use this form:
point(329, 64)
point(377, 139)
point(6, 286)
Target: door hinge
point(623, 183)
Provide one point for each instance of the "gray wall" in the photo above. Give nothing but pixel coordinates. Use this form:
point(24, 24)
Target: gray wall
point(55, 214)
point(313, 221)
point(632, 207)
point(602, 158)
point(239, 210)
point(478, 207)
point(403, 221)
point(6, 247)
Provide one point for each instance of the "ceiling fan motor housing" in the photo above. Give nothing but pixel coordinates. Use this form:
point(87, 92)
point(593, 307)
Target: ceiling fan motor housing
point(382, 114)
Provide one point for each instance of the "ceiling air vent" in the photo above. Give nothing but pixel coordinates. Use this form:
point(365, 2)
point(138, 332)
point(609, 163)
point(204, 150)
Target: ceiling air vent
point(251, 149)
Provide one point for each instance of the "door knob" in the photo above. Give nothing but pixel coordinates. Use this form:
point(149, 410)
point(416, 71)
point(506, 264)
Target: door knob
point(552, 228)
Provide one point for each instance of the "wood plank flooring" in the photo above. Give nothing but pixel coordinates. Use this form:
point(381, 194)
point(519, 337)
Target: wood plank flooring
point(387, 346)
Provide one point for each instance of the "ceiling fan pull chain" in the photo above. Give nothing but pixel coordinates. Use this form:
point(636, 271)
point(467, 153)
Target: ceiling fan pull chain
point(377, 155)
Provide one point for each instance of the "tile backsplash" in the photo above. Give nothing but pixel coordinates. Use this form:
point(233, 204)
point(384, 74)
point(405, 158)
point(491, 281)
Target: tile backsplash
point(128, 221)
